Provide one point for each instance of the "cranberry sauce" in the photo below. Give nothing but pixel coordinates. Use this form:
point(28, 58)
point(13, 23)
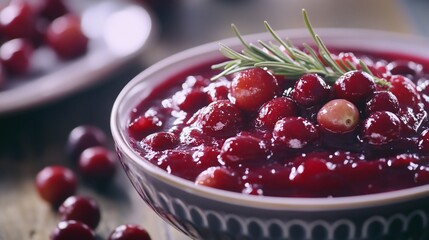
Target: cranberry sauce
point(260, 134)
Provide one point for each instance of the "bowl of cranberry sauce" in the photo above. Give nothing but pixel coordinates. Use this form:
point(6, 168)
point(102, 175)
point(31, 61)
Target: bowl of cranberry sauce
point(258, 155)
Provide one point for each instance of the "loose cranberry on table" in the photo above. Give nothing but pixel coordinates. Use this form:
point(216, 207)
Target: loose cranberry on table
point(129, 232)
point(72, 230)
point(64, 35)
point(253, 87)
point(98, 164)
point(83, 137)
point(55, 183)
point(15, 55)
point(81, 209)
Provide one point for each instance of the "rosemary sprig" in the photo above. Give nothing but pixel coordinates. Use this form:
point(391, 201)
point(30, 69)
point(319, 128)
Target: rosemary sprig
point(283, 58)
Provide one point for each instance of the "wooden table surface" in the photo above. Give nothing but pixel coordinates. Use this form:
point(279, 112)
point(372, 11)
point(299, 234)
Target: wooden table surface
point(32, 139)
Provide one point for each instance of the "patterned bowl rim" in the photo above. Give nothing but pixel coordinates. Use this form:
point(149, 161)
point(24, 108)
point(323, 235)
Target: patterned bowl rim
point(351, 38)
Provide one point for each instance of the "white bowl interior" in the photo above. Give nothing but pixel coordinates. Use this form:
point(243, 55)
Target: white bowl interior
point(141, 85)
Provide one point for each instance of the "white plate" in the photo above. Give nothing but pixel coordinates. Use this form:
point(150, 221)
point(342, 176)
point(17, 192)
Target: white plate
point(118, 32)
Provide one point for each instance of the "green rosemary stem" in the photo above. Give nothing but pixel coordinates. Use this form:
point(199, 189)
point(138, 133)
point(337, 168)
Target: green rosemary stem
point(283, 58)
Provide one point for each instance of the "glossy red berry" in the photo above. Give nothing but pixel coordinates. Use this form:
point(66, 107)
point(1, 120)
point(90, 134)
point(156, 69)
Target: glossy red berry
point(72, 230)
point(83, 137)
point(424, 141)
point(81, 209)
point(15, 55)
point(354, 86)
point(405, 91)
point(241, 149)
point(338, 116)
point(64, 35)
point(129, 232)
point(310, 90)
point(294, 132)
point(190, 99)
point(55, 183)
point(253, 87)
point(218, 177)
point(98, 164)
point(220, 118)
point(143, 126)
point(409, 69)
point(382, 101)
point(381, 128)
point(17, 20)
point(52, 9)
point(161, 141)
point(274, 110)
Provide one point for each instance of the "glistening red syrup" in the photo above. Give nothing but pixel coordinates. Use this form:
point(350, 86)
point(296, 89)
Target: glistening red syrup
point(260, 134)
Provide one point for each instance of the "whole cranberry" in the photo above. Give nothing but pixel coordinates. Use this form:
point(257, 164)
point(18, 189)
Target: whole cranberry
point(310, 90)
point(15, 55)
point(294, 132)
point(354, 86)
point(83, 137)
point(220, 118)
point(55, 183)
point(161, 140)
point(274, 110)
point(382, 101)
point(190, 99)
point(218, 90)
point(241, 149)
point(253, 87)
point(98, 164)
point(64, 35)
point(220, 178)
point(409, 69)
point(338, 116)
point(380, 128)
point(72, 230)
point(424, 141)
point(17, 20)
point(129, 232)
point(52, 9)
point(143, 126)
point(81, 209)
point(405, 91)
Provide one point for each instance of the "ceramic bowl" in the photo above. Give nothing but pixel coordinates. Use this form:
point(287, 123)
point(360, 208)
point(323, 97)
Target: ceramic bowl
point(207, 213)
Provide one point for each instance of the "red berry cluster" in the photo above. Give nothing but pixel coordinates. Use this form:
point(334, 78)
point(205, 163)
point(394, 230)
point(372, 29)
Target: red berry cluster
point(234, 129)
point(27, 25)
point(80, 215)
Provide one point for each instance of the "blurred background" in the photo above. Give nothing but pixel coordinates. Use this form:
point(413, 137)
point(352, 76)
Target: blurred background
point(34, 135)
